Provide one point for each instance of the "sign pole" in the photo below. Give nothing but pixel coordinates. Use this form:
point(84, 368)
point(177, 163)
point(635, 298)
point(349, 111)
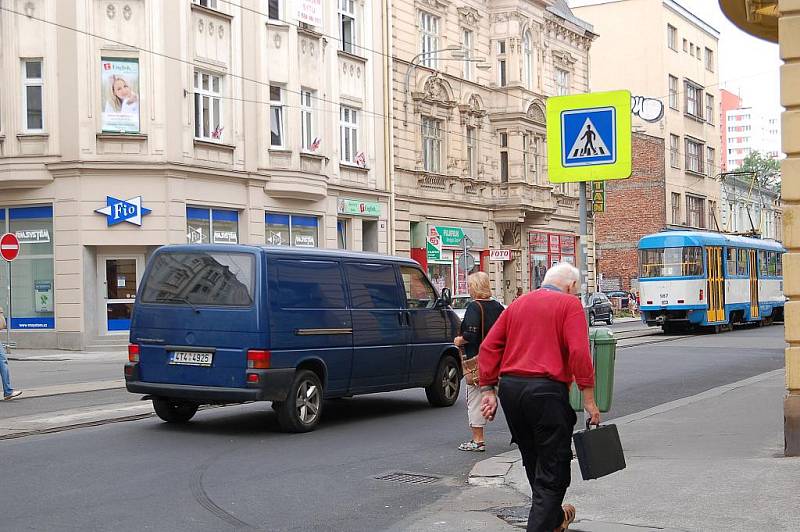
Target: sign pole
point(8, 306)
point(582, 229)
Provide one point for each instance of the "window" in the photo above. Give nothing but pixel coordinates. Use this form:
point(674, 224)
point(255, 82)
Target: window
point(309, 141)
point(527, 60)
point(347, 25)
point(501, 47)
point(730, 262)
point(742, 262)
point(206, 3)
point(676, 208)
point(562, 82)
point(772, 268)
point(691, 50)
point(694, 156)
point(310, 285)
point(685, 45)
point(673, 92)
point(710, 161)
point(348, 132)
point(208, 106)
point(274, 9)
point(710, 59)
point(779, 271)
point(32, 96)
point(694, 93)
point(674, 143)
point(762, 263)
point(695, 215)
point(292, 230)
point(470, 141)
point(419, 292)
point(207, 278)
point(525, 147)
point(710, 108)
point(671, 262)
point(211, 226)
point(672, 37)
point(431, 144)
point(372, 286)
point(712, 215)
point(341, 233)
point(504, 157)
point(429, 25)
point(276, 124)
point(467, 45)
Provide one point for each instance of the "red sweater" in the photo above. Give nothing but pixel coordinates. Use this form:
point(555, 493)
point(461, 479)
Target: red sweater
point(541, 334)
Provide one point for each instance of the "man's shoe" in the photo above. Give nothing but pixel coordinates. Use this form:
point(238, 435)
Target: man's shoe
point(12, 395)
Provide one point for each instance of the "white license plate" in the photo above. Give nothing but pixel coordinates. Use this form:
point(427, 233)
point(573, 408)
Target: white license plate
point(190, 358)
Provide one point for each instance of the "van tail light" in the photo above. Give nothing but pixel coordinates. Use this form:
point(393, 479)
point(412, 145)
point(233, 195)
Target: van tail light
point(133, 352)
point(701, 294)
point(258, 359)
point(252, 378)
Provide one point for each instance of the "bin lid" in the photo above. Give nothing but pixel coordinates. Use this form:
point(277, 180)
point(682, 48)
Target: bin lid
point(602, 335)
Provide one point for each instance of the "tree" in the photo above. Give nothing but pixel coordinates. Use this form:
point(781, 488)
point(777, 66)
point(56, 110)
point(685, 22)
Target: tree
point(766, 169)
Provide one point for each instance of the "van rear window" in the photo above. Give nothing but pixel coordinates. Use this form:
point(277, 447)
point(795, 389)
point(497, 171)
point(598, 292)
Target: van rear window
point(200, 278)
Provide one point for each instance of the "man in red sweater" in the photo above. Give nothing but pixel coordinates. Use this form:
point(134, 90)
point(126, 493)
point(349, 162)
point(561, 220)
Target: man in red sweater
point(536, 349)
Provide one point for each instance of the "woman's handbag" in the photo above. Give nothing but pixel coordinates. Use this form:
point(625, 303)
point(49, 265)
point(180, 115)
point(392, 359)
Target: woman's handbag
point(469, 366)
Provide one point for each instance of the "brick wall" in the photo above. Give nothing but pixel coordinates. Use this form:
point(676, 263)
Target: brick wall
point(635, 207)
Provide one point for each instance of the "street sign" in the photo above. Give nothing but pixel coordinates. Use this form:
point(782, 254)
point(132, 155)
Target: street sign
point(598, 196)
point(499, 254)
point(589, 137)
point(466, 262)
point(9, 246)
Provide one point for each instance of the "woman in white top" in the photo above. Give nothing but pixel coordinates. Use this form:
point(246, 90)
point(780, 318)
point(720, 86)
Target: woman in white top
point(120, 98)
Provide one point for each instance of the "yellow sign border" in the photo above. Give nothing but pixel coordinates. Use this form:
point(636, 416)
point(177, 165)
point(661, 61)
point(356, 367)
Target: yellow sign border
point(621, 168)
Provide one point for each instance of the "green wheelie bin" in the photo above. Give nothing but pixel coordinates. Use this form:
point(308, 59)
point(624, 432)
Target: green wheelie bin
point(604, 350)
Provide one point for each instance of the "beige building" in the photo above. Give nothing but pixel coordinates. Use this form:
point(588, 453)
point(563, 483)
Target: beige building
point(672, 56)
point(470, 83)
point(779, 21)
point(138, 123)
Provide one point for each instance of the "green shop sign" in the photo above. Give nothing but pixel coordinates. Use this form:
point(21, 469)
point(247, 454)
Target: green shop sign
point(451, 236)
point(434, 253)
point(359, 208)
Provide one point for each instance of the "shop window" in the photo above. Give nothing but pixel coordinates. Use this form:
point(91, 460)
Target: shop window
point(341, 233)
point(32, 274)
point(211, 226)
point(292, 230)
point(369, 235)
point(547, 250)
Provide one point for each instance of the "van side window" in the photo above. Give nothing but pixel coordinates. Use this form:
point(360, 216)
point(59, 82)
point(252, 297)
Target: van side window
point(372, 286)
point(310, 284)
point(419, 292)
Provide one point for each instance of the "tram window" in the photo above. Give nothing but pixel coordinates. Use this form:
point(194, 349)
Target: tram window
point(730, 262)
point(741, 265)
point(780, 265)
point(671, 262)
point(762, 263)
point(692, 261)
point(773, 263)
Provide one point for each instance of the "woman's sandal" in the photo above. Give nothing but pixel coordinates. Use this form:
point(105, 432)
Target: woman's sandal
point(472, 446)
point(569, 517)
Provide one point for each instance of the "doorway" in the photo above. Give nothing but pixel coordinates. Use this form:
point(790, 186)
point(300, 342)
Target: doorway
point(118, 278)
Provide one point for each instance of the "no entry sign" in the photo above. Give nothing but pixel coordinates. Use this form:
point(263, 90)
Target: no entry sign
point(9, 246)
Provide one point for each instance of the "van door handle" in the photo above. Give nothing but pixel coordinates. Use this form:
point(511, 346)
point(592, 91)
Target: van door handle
point(401, 318)
point(408, 318)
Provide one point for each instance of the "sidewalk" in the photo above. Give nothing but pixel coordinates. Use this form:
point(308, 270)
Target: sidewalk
point(712, 461)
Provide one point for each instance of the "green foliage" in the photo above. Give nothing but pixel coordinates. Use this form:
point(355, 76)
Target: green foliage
point(766, 169)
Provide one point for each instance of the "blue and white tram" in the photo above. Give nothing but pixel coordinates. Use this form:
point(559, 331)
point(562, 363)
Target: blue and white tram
point(693, 278)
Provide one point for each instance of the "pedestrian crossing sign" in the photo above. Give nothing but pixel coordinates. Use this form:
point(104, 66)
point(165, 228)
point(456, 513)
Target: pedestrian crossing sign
point(589, 137)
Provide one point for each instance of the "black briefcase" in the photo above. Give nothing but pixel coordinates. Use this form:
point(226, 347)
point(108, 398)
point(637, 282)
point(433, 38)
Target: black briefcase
point(599, 451)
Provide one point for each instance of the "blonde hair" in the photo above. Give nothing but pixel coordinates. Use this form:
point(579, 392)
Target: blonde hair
point(112, 97)
point(479, 286)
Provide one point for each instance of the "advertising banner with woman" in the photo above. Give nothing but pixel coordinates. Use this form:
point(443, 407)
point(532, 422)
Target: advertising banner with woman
point(120, 82)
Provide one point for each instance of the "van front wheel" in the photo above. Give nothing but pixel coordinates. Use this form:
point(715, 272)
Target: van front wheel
point(174, 411)
point(301, 410)
point(444, 389)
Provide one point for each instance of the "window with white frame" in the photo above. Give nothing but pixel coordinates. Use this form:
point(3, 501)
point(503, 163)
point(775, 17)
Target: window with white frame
point(470, 141)
point(276, 123)
point(308, 141)
point(674, 145)
point(206, 3)
point(525, 148)
point(673, 92)
point(429, 27)
point(208, 106)
point(431, 144)
point(347, 25)
point(467, 45)
point(348, 130)
point(273, 9)
point(501, 64)
point(693, 97)
point(527, 60)
point(710, 108)
point(695, 215)
point(672, 37)
point(694, 156)
point(562, 82)
point(33, 94)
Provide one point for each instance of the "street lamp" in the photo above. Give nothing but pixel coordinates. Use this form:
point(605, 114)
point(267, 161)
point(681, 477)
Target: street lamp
point(458, 54)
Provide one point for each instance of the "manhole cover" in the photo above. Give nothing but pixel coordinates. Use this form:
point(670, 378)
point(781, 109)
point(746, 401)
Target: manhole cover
point(408, 478)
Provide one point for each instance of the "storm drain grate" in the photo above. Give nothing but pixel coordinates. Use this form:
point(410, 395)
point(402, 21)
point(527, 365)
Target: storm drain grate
point(408, 478)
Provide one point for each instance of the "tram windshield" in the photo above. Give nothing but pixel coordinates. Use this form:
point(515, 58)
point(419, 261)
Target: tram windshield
point(671, 262)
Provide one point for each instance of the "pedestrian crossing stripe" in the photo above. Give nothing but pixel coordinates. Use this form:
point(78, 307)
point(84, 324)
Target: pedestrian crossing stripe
point(588, 143)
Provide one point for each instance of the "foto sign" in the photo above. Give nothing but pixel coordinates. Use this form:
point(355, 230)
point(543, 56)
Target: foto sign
point(499, 254)
point(9, 246)
point(589, 137)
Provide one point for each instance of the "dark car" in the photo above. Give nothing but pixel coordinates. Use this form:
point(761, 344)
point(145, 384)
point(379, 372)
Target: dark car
point(624, 297)
point(599, 308)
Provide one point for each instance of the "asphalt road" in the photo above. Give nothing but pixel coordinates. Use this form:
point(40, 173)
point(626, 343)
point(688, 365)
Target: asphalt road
point(231, 469)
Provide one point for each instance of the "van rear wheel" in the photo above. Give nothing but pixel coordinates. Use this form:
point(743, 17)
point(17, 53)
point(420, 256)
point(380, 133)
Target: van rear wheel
point(174, 411)
point(446, 384)
point(301, 410)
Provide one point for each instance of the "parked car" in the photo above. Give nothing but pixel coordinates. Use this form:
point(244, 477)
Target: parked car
point(624, 297)
point(216, 324)
point(598, 308)
point(460, 304)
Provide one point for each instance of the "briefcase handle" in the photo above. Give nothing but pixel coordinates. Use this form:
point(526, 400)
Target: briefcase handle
point(589, 423)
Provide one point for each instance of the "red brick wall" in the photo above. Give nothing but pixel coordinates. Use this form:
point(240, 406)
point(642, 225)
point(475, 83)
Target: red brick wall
point(635, 207)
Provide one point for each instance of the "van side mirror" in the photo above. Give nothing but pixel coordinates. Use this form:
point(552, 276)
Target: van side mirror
point(446, 299)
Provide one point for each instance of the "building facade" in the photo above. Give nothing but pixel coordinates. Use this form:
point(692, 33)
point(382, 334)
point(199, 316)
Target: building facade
point(248, 121)
point(749, 208)
point(746, 131)
point(728, 102)
point(470, 83)
point(672, 57)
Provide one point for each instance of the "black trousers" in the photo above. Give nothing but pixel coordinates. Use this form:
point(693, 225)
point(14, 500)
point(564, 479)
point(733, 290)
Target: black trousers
point(541, 422)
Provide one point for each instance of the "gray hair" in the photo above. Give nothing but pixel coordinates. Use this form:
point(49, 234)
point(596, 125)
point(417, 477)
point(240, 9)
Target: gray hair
point(563, 272)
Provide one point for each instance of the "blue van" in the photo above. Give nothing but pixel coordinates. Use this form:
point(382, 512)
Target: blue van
point(218, 324)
